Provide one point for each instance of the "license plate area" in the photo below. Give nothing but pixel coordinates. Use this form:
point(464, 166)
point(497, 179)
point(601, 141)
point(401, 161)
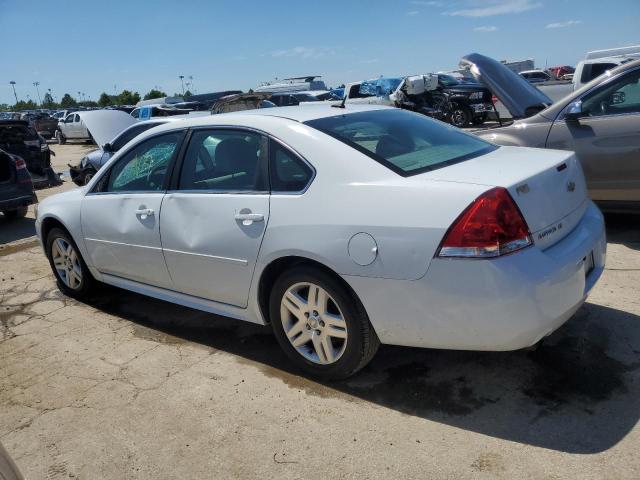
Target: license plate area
point(589, 264)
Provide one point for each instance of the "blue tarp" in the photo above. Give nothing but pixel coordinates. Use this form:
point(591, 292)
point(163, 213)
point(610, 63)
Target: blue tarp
point(380, 87)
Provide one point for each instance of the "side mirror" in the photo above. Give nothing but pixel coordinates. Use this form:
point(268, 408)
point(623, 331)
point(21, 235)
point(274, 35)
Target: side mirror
point(574, 113)
point(107, 147)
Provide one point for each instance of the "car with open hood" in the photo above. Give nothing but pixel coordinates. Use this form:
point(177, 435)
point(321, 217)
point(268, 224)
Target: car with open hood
point(16, 186)
point(600, 122)
point(341, 227)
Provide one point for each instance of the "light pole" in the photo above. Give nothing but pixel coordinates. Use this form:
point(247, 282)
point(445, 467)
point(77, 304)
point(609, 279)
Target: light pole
point(192, 86)
point(35, 84)
point(181, 77)
point(13, 84)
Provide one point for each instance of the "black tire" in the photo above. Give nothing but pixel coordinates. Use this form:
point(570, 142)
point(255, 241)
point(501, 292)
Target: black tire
point(362, 342)
point(20, 212)
point(88, 175)
point(87, 282)
point(60, 138)
point(459, 116)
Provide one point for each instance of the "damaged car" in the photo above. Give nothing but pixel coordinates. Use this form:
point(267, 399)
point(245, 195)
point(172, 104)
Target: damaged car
point(18, 137)
point(436, 95)
point(242, 101)
point(600, 122)
point(16, 187)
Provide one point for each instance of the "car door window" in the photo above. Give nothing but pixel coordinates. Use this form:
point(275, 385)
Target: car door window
point(224, 161)
point(76, 118)
point(618, 97)
point(144, 167)
point(287, 172)
point(135, 113)
point(69, 119)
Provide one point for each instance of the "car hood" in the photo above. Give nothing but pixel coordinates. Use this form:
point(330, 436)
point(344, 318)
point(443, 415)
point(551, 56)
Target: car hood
point(104, 125)
point(519, 97)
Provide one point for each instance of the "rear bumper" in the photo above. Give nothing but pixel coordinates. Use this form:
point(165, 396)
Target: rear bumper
point(17, 202)
point(501, 304)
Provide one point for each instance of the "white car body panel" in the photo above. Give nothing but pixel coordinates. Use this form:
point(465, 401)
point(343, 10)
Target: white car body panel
point(104, 125)
point(411, 298)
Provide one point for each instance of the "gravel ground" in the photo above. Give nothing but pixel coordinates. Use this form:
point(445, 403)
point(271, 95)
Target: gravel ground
point(123, 386)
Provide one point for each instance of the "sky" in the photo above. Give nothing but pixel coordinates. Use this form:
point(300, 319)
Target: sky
point(91, 46)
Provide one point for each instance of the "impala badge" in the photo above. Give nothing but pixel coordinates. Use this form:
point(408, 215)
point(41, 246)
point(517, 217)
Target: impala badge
point(571, 186)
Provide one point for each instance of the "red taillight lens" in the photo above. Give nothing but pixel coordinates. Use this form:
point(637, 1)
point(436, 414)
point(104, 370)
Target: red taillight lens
point(20, 164)
point(494, 99)
point(491, 226)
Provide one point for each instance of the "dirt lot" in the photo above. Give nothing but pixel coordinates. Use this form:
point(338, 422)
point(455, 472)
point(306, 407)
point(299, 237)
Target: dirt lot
point(125, 386)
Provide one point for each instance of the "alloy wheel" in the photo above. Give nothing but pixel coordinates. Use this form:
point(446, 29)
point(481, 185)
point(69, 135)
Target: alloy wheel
point(313, 323)
point(67, 263)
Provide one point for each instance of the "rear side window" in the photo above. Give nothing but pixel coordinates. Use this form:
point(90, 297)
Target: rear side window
point(407, 143)
point(287, 172)
point(593, 70)
point(10, 134)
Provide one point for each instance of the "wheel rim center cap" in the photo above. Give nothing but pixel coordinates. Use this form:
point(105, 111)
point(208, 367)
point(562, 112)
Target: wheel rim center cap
point(313, 322)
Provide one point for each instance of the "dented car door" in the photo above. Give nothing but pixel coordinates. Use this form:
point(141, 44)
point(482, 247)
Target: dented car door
point(120, 216)
point(213, 220)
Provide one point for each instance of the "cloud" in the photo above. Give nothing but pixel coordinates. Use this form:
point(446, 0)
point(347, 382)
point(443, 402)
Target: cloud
point(413, 13)
point(496, 7)
point(568, 23)
point(485, 29)
point(302, 52)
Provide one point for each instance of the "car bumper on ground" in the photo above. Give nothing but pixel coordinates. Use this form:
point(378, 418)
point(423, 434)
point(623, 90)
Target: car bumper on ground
point(502, 304)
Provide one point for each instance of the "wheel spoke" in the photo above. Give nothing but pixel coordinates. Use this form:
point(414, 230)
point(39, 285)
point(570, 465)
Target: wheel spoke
point(296, 329)
point(318, 347)
point(303, 338)
point(335, 332)
point(295, 304)
point(58, 262)
point(327, 347)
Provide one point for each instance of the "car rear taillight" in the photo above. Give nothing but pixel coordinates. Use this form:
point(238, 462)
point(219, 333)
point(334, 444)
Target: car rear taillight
point(491, 226)
point(20, 164)
point(494, 99)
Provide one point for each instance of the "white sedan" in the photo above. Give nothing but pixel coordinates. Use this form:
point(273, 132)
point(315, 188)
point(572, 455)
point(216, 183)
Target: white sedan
point(343, 228)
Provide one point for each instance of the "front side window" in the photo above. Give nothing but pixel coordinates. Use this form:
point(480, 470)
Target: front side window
point(135, 113)
point(407, 143)
point(620, 96)
point(287, 172)
point(69, 118)
point(76, 118)
point(224, 161)
point(145, 166)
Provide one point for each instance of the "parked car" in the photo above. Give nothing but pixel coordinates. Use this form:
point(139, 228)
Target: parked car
point(43, 123)
point(600, 123)
point(60, 115)
point(290, 99)
point(598, 62)
point(242, 101)
point(560, 71)
point(536, 76)
point(146, 112)
point(89, 165)
point(294, 84)
point(8, 468)
point(16, 187)
point(98, 126)
point(18, 137)
point(341, 227)
point(436, 95)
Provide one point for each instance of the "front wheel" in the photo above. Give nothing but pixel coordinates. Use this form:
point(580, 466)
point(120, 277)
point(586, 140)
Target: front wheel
point(88, 175)
point(321, 325)
point(72, 274)
point(460, 116)
point(60, 138)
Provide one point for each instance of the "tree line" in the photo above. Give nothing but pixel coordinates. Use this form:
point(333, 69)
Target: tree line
point(126, 97)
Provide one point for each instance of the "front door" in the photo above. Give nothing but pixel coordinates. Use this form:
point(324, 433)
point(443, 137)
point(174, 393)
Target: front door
point(607, 139)
point(120, 217)
point(212, 224)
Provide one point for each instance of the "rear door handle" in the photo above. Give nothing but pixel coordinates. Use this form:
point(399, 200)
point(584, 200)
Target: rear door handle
point(249, 218)
point(144, 213)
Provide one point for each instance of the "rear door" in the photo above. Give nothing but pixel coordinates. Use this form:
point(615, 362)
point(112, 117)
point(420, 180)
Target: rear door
point(607, 141)
point(120, 217)
point(213, 221)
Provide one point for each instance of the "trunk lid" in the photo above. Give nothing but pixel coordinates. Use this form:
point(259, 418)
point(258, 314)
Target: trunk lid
point(547, 185)
point(519, 97)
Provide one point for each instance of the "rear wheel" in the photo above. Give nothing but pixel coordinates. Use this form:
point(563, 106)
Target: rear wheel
point(321, 326)
point(17, 213)
point(88, 175)
point(72, 274)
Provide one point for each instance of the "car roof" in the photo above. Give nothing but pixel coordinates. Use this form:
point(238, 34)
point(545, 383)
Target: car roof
point(299, 113)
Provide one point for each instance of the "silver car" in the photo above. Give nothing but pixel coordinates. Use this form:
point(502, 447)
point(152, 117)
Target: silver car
point(600, 122)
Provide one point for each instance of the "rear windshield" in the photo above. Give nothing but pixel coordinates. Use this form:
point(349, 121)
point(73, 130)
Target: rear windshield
point(16, 133)
point(407, 143)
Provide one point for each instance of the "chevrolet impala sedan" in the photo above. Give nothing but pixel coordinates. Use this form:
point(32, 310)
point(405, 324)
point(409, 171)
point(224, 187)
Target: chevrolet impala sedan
point(342, 228)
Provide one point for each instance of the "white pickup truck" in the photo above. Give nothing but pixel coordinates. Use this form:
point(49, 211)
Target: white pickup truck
point(72, 127)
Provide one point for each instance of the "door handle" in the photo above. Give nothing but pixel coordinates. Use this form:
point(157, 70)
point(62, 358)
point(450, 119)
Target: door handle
point(249, 218)
point(144, 213)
